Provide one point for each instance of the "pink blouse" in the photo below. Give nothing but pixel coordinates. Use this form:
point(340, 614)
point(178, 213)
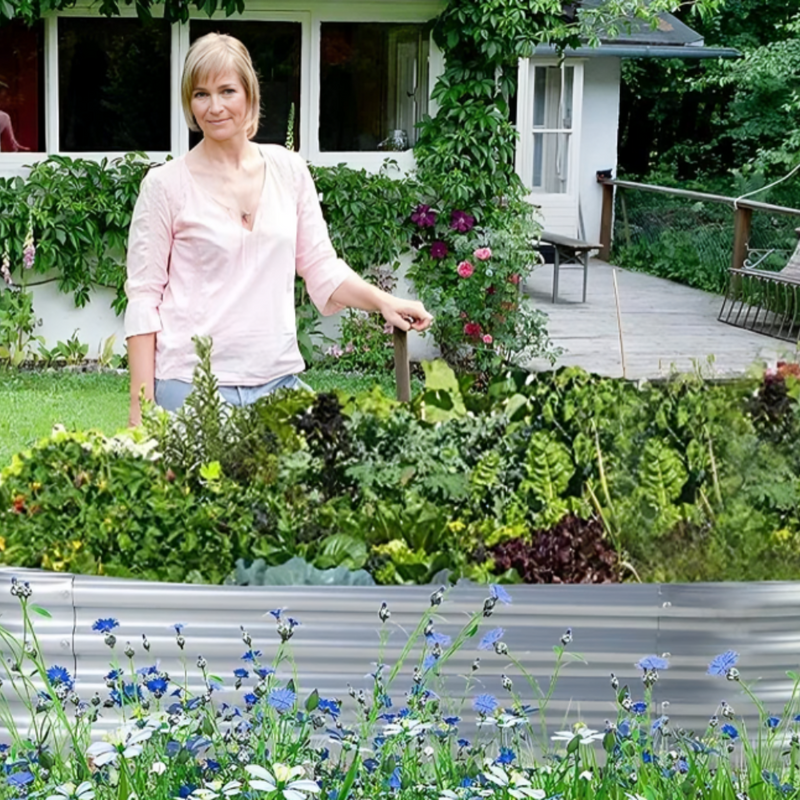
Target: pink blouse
point(194, 270)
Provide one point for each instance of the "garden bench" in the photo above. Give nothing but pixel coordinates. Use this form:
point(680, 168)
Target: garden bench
point(763, 301)
point(567, 250)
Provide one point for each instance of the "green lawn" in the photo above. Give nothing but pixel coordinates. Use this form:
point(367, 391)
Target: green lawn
point(32, 402)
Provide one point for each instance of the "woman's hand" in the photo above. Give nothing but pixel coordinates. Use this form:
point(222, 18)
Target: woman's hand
point(405, 314)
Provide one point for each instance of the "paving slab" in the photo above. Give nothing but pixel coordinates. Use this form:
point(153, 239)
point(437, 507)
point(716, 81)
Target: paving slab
point(666, 326)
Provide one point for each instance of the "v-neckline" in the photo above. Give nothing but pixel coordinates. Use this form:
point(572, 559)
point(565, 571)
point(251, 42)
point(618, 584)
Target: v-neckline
point(227, 209)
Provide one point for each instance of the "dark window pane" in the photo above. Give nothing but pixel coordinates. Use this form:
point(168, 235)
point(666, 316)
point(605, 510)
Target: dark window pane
point(373, 85)
point(21, 88)
point(114, 85)
point(275, 50)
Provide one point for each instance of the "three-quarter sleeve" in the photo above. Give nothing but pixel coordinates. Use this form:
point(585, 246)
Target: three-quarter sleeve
point(149, 248)
point(316, 260)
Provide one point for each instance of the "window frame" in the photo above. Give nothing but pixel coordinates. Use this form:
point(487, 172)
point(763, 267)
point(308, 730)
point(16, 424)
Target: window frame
point(526, 149)
point(310, 14)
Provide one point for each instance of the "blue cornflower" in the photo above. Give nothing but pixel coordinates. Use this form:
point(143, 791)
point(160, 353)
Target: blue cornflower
point(113, 675)
point(281, 700)
point(429, 661)
point(394, 779)
point(442, 639)
point(105, 625)
point(156, 686)
point(729, 732)
point(252, 655)
point(659, 724)
point(499, 593)
point(178, 626)
point(130, 694)
point(624, 729)
point(773, 722)
point(647, 757)
point(20, 778)
point(489, 639)
point(241, 672)
point(451, 721)
point(276, 612)
point(329, 706)
point(507, 755)
point(404, 712)
point(293, 623)
point(463, 742)
point(639, 707)
point(771, 777)
point(722, 663)
point(324, 754)
point(250, 700)
point(144, 671)
point(212, 766)
point(263, 672)
point(683, 766)
point(370, 764)
point(186, 790)
point(380, 741)
point(59, 675)
point(653, 662)
point(485, 703)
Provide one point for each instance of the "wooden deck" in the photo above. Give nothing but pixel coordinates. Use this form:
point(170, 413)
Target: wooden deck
point(666, 326)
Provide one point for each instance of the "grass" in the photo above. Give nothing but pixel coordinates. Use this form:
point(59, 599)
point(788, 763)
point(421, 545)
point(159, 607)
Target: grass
point(32, 402)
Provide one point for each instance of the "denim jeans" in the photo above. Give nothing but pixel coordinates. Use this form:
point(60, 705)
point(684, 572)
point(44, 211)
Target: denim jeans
point(172, 394)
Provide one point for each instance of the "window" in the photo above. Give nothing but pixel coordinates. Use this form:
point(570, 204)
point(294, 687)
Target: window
point(275, 50)
point(21, 88)
point(553, 90)
point(114, 85)
point(373, 85)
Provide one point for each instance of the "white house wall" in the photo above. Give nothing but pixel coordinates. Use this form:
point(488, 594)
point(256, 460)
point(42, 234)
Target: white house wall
point(598, 141)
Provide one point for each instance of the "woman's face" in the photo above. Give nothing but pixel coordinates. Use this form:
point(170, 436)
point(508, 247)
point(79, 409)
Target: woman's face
point(220, 106)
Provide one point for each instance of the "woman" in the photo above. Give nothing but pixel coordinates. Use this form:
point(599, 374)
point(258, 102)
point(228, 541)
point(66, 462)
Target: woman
point(215, 242)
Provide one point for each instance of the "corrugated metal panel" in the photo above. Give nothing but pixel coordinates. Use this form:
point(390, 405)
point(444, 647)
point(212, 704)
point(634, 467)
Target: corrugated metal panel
point(338, 642)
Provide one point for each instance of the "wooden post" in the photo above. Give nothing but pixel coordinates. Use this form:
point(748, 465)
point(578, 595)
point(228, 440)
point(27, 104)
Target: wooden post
point(402, 368)
point(606, 222)
point(742, 219)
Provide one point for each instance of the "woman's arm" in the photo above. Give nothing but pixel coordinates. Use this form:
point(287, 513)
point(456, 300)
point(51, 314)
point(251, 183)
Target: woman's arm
point(355, 292)
point(149, 249)
point(142, 367)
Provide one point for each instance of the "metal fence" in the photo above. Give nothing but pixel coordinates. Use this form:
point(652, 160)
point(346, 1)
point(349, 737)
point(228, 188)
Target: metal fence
point(691, 236)
point(337, 644)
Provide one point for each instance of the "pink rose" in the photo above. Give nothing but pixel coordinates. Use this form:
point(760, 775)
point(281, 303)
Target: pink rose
point(465, 269)
point(513, 278)
point(472, 329)
point(483, 253)
point(487, 339)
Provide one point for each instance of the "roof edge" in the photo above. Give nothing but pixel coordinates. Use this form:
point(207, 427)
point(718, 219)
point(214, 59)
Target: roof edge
point(643, 51)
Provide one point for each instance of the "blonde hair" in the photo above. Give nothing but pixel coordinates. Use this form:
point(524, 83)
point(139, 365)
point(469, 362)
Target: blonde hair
point(211, 55)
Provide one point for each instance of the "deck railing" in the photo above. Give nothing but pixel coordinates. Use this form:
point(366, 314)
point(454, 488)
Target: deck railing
point(693, 236)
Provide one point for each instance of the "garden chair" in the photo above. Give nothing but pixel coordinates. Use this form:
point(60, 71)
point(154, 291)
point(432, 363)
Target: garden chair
point(765, 302)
